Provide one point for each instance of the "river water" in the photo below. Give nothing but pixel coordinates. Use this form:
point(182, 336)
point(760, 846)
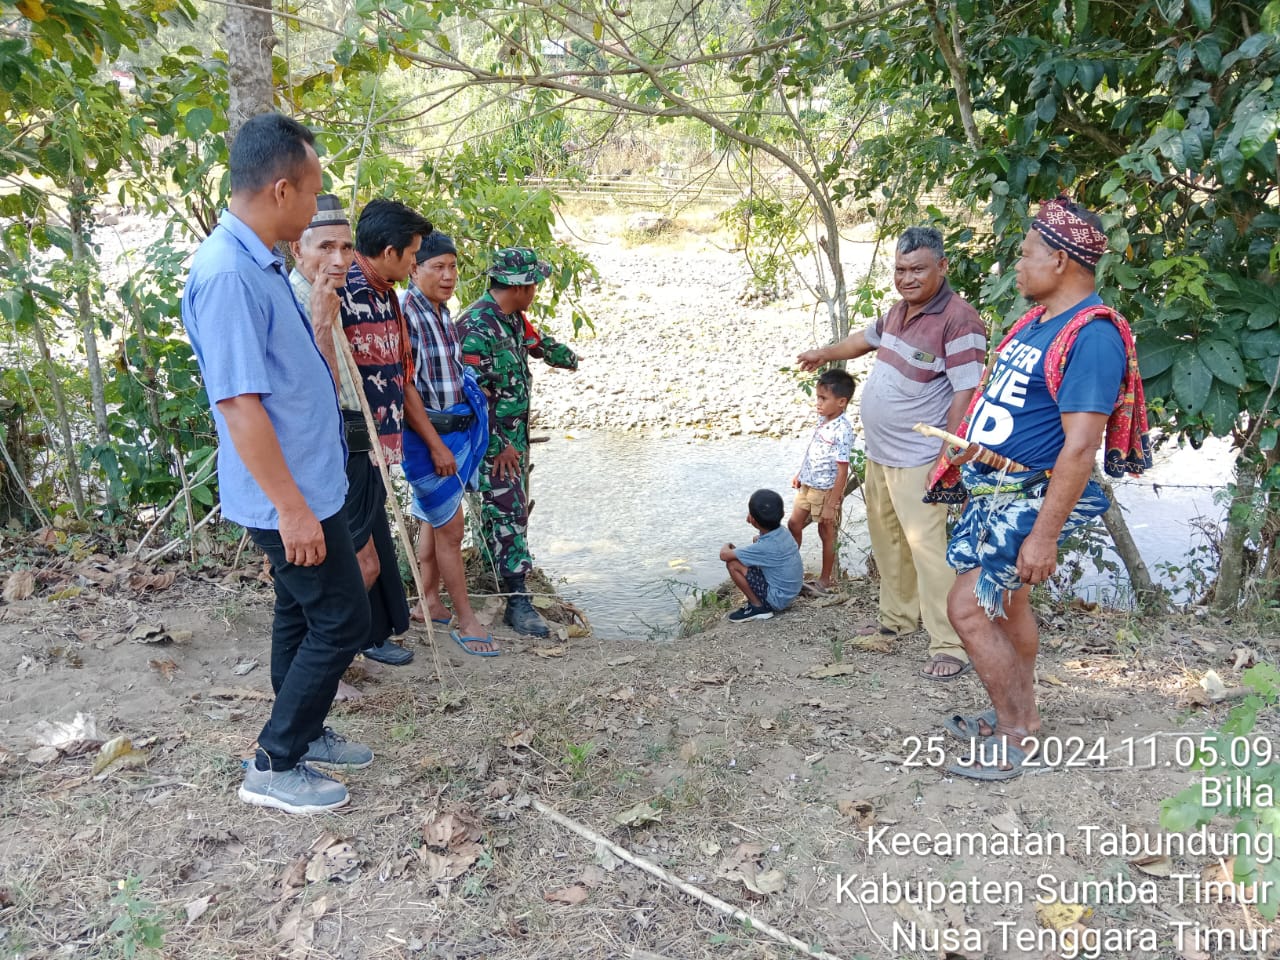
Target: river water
point(628, 525)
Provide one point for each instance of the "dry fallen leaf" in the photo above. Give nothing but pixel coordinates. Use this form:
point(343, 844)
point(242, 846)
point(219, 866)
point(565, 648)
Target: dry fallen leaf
point(1225, 889)
point(572, 896)
point(166, 667)
point(452, 829)
point(293, 879)
point(1154, 866)
point(768, 881)
point(519, 738)
point(742, 865)
point(196, 908)
point(623, 694)
point(1059, 916)
point(1244, 657)
point(861, 812)
point(152, 581)
point(444, 867)
point(740, 854)
point(19, 585)
point(577, 631)
point(549, 652)
point(332, 859)
point(118, 752)
point(607, 858)
point(298, 929)
point(641, 813)
point(42, 755)
point(622, 661)
point(831, 670)
point(876, 643)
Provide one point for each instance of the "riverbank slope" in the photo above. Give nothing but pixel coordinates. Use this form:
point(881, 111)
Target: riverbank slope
point(766, 763)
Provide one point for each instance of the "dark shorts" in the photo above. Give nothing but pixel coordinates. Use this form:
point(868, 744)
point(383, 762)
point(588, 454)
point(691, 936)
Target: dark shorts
point(758, 583)
point(366, 497)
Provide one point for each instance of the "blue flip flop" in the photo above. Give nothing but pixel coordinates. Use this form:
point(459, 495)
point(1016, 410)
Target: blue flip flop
point(462, 642)
point(445, 621)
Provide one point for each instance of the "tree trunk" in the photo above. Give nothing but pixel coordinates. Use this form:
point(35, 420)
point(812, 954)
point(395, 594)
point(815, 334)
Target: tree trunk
point(151, 385)
point(1230, 582)
point(60, 410)
point(952, 50)
point(1150, 597)
point(83, 262)
point(16, 499)
point(248, 39)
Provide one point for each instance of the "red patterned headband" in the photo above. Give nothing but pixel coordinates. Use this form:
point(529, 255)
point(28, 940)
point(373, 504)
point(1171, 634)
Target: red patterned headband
point(1064, 229)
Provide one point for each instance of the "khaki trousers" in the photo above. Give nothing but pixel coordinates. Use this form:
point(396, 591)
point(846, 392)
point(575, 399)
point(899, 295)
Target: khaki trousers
point(909, 540)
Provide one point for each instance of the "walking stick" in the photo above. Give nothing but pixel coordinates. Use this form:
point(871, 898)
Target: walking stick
point(979, 452)
point(346, 357)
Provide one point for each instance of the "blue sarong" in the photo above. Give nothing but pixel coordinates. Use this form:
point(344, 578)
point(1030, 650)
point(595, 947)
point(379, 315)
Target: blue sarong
point(436, 499)
point(999, 515)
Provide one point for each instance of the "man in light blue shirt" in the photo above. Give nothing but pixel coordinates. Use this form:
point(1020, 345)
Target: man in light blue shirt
point(281, 460)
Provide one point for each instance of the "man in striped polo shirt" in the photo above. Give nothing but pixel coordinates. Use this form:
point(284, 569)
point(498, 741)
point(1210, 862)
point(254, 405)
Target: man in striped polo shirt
point(930, 348)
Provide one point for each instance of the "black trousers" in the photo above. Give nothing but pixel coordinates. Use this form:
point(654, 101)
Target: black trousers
point(367, 518)
point(321, 622)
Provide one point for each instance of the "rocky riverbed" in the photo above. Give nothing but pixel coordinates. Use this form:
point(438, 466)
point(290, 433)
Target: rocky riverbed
point(678, 348)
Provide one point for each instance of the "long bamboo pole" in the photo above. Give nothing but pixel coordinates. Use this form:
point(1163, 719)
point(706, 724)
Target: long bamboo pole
point(975, 450)
point(348, 359)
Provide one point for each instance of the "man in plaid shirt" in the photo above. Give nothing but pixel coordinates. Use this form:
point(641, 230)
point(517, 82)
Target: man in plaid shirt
point(457, 409)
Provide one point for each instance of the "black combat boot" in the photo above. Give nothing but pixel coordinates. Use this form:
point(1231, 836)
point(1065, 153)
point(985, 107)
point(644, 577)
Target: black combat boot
point(520, 615)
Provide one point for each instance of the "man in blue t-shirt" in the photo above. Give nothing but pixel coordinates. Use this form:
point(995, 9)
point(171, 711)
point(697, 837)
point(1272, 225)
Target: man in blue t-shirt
point(281, 456)
point(768, 571)
point(1049, 419)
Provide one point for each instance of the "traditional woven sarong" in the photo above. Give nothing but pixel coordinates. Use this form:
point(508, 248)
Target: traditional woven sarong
point(436, 499)
point(998, 517)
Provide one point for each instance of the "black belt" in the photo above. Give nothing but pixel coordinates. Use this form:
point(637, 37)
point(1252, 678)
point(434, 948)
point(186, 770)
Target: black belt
point(450, 422)
point(357, 433)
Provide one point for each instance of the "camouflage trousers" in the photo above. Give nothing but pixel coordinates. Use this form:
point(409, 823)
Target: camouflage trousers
point(504, 523)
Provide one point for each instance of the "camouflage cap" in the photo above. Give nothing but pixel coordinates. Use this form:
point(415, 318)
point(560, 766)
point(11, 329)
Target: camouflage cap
point(517, 266)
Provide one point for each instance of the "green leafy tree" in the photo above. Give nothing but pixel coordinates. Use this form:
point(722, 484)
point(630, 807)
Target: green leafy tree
point(1162, 115)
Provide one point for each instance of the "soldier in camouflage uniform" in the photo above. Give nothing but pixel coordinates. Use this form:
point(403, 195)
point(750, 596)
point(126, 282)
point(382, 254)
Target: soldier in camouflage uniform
point(497, 340)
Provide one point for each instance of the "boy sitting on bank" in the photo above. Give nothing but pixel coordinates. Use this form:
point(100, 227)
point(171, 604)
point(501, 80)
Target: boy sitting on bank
point(824, 472)
point(769, 572)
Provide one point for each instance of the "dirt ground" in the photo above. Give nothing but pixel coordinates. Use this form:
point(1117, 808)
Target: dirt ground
point(719, 757)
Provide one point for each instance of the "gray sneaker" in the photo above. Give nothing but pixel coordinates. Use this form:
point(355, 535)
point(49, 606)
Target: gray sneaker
point(300, 790)
point(332, 750)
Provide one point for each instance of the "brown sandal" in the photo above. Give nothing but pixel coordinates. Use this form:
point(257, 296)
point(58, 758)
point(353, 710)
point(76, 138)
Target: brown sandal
point(965, 667)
